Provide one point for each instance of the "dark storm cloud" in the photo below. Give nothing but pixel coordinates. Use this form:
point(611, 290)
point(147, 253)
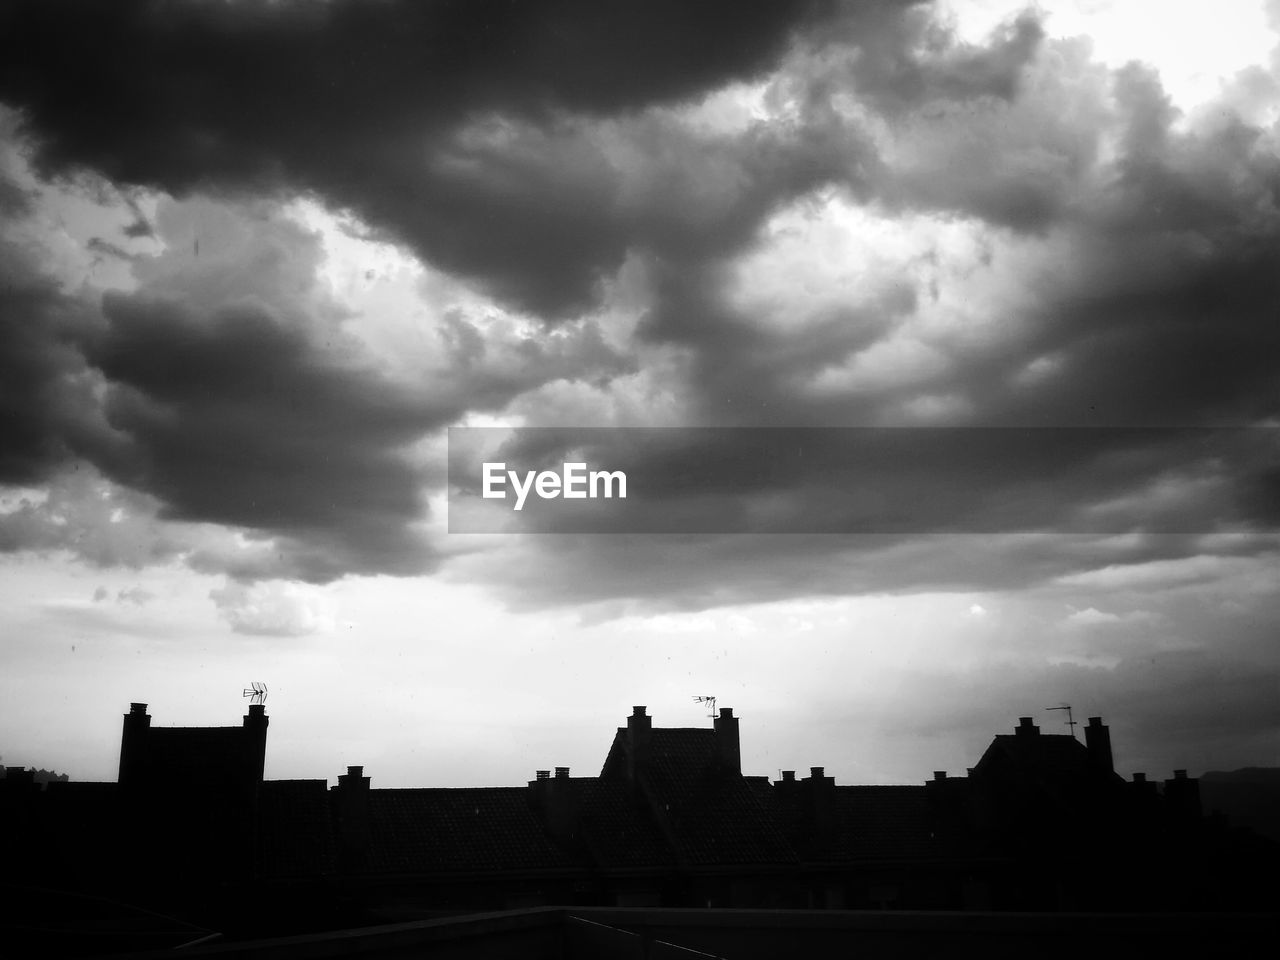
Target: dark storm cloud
point(916, 60)
point(875, 480)
point(1158, 309)
point(620, 574)
point(225, 391)
point(534, 148)
point(1161, 310)
point(45, 386)
point(238, 420)
point(364, 103)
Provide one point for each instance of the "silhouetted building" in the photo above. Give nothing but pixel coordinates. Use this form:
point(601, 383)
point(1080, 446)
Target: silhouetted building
point(1041, 822)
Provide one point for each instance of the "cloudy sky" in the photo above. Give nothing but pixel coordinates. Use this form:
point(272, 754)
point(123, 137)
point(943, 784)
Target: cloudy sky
point(257, 257)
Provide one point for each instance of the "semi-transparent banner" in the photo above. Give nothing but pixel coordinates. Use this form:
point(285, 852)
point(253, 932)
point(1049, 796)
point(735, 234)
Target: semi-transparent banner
point(863, 480)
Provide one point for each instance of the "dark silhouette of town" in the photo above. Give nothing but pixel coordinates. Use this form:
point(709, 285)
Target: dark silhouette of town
point(192, 843)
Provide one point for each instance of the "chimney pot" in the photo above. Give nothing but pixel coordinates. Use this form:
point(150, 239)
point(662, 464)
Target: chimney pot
point(728, 746)
point(355, 771)
point(1179, 774)
point(639, 732)
point(544, 774)
point(788, 775)
point(1026, 728)
point(939, 774)
point(137, 708)
point(1097, 740)
point(562, 773)
point(817, 772)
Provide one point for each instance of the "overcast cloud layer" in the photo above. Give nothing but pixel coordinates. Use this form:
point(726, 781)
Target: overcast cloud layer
point(808, 214)
point(1072, 252)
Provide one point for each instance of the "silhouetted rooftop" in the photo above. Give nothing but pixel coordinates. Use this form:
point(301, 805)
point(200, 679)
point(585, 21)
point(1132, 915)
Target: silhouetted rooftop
point(444, 830)
point(295, 836)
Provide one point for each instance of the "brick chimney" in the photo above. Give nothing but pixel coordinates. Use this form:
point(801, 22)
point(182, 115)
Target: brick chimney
point(133, 746)
point(639, 736)
point(820, 796)
point(255, 728)
point(1026, 728)
point(1143, 792)
point(728, 748)
point(351, 804)
point(557, 800)
point(1182, 796)
point(1097, 740)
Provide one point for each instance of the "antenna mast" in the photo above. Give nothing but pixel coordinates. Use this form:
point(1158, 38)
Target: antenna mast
point(1071, 724)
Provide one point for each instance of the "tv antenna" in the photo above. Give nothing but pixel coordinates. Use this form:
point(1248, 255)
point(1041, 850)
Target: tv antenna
point(711, 704)
point(258, 691)
point(1071, 724)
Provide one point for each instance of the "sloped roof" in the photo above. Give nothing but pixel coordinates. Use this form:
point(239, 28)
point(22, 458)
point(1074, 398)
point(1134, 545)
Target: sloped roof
point(295, 830)
point(867, 822)
point(1052, 754)
point(1056, 764)
point(712, 816)
point(616, 831)
point(882, 822)
point(443, 830)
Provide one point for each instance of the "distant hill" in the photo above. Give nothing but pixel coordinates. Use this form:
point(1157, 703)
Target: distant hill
point(1249, 797)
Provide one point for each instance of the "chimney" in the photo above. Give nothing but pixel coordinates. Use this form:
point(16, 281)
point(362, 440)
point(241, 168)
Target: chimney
point(821, 795)
point(1026, 728)
point(351, 803)
point(639, 735)
point(728, 750)
point(133, 746)
point(1097, 740)
point(255, 728)
point(557, 800)
point(1182, 796)
point(1143, 789)
point(939, 774)
point(789, 776)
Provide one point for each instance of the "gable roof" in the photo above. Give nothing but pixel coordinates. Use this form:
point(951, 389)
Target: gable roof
point(708, 815)
point(1057, 765)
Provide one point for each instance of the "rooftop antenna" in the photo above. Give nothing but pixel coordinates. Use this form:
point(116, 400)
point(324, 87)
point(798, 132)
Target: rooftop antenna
point(1071, 724)
point(258, 691)
point(711, 704)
